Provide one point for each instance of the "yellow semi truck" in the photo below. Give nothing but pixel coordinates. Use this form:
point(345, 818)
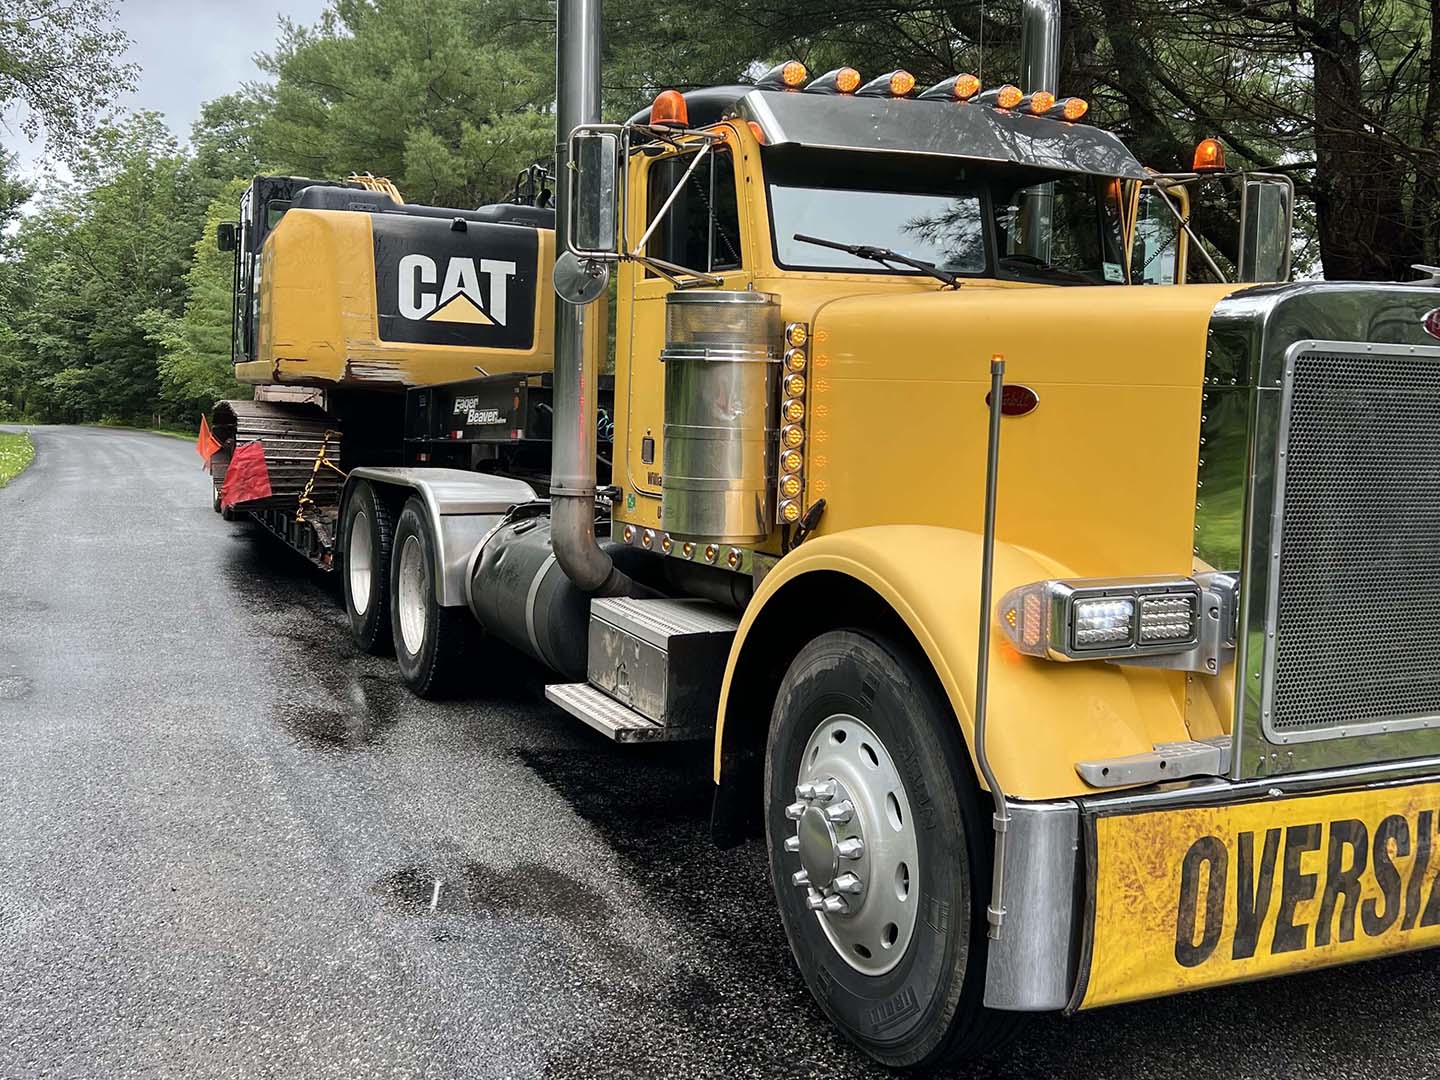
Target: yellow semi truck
point(1068, 640)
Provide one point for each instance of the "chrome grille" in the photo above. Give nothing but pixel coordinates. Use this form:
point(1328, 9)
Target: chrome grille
point(1357, 605)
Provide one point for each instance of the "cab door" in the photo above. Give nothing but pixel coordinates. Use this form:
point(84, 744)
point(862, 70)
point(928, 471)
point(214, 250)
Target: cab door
point(701, 231)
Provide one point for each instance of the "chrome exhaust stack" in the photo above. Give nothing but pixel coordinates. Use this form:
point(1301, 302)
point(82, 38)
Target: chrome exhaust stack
point(577, 327)
point(1039, 45)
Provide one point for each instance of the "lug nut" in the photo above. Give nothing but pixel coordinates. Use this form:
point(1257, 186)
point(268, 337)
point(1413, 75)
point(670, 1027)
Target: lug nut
point(814, 901)
point(834, 905)
point(795, 811)
point(841, 812)
point(802, 877)
point(852, 848)
point(849, 883)
point(819, 791)
point(792, 844)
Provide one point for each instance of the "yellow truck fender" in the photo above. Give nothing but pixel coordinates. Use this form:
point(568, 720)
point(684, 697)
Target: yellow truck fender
point(921, 585)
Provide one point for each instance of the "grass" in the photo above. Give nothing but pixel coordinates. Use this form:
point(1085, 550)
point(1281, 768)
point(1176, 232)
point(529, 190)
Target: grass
point(16, 451)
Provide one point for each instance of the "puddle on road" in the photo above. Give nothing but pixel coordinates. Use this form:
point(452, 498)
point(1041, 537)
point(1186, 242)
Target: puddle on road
point(367, 712)
point(21, 605)
point(15, 688)
point(526, 889)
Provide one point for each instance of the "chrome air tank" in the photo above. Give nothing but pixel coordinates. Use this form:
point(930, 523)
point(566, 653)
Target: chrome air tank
point(722, 354)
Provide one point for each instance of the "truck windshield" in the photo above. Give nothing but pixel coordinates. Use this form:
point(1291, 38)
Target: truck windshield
point(1065, 231)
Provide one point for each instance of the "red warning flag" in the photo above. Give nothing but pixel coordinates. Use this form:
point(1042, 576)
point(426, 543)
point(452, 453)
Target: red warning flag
point(206, 445)
point(247, 478)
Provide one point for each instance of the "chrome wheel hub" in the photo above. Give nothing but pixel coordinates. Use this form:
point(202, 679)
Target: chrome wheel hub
point(357, 562)
point(855, 844)
point(411, 595)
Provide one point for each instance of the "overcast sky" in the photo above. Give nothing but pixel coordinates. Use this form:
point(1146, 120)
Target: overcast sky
point(189, 51)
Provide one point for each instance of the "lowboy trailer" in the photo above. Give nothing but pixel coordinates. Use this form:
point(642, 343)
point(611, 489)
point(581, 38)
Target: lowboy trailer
point(1068, 640)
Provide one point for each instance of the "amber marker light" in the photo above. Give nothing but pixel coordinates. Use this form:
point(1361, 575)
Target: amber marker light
point(843, 80)
point(898, 83)
point(955, 88)
point(1209, 156)
point(1002, 97)
point(790, 461)
point(1039, 103)
point(1070, 108)
point(669, 110)
point(757, 131)
point(790, 75)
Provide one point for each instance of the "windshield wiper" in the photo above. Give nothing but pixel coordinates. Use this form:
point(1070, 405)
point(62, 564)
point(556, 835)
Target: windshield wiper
point(884, 256)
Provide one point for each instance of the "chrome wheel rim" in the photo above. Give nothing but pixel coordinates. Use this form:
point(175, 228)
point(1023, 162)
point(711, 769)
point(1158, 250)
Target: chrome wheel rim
point(412, 595)
point(357, 561)
point(854, 851)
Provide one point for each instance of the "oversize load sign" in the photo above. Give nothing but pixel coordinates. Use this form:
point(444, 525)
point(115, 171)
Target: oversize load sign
point(1197, 897)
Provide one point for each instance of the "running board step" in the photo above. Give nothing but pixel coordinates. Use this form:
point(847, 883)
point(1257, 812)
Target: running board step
point(604, 713)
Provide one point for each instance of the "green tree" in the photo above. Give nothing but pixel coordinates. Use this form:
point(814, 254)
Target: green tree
point(449, 98)
point(194, 359)
point(96, 255)
point(59, 66)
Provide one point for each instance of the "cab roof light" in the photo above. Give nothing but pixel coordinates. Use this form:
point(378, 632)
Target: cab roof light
point(669, 110)
point(1070, 108)
point(1002, 97)
point(898, 83)
point(790, 75)
point(842, 80)
point(955, 88)
point(1036, 104)
point(1209, 156)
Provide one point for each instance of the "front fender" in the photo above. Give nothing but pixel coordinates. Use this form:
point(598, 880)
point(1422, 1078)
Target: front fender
point(1044, 716)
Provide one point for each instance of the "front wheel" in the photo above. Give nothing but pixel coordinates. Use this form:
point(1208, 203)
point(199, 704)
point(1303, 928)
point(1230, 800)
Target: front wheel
point(429, 639)
point(877, 852)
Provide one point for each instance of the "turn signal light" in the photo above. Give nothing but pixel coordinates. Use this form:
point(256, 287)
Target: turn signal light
point(669, 110)
point(1209, 156)
point(955, 88)
point(897, 83)
point(843, 80)
point(790, 75)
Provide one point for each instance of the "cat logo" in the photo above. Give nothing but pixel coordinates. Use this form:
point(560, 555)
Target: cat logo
point(473, 288)
point(459, 299)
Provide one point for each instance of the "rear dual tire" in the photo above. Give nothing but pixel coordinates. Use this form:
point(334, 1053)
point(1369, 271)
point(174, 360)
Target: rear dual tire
point(429, 640)
point(368, 530)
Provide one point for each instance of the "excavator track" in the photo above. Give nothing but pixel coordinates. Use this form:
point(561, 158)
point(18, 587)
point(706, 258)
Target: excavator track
point(302, 452)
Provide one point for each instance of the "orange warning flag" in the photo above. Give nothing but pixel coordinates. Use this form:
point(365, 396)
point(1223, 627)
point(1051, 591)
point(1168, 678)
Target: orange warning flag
point(206, 445)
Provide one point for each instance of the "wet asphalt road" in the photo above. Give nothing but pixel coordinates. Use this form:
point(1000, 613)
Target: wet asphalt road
point(230, 845)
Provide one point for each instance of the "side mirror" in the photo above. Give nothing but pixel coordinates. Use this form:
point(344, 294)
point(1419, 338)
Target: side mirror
point(1267, 205)
point(594, 182)
point(225, 235)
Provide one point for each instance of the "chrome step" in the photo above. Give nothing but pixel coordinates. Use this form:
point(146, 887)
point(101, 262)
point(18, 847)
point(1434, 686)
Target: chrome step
point(605, 714)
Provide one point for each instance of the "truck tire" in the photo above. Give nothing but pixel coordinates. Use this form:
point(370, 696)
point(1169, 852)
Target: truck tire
point(429, 639)
point(863, 747)
point(365, 543)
